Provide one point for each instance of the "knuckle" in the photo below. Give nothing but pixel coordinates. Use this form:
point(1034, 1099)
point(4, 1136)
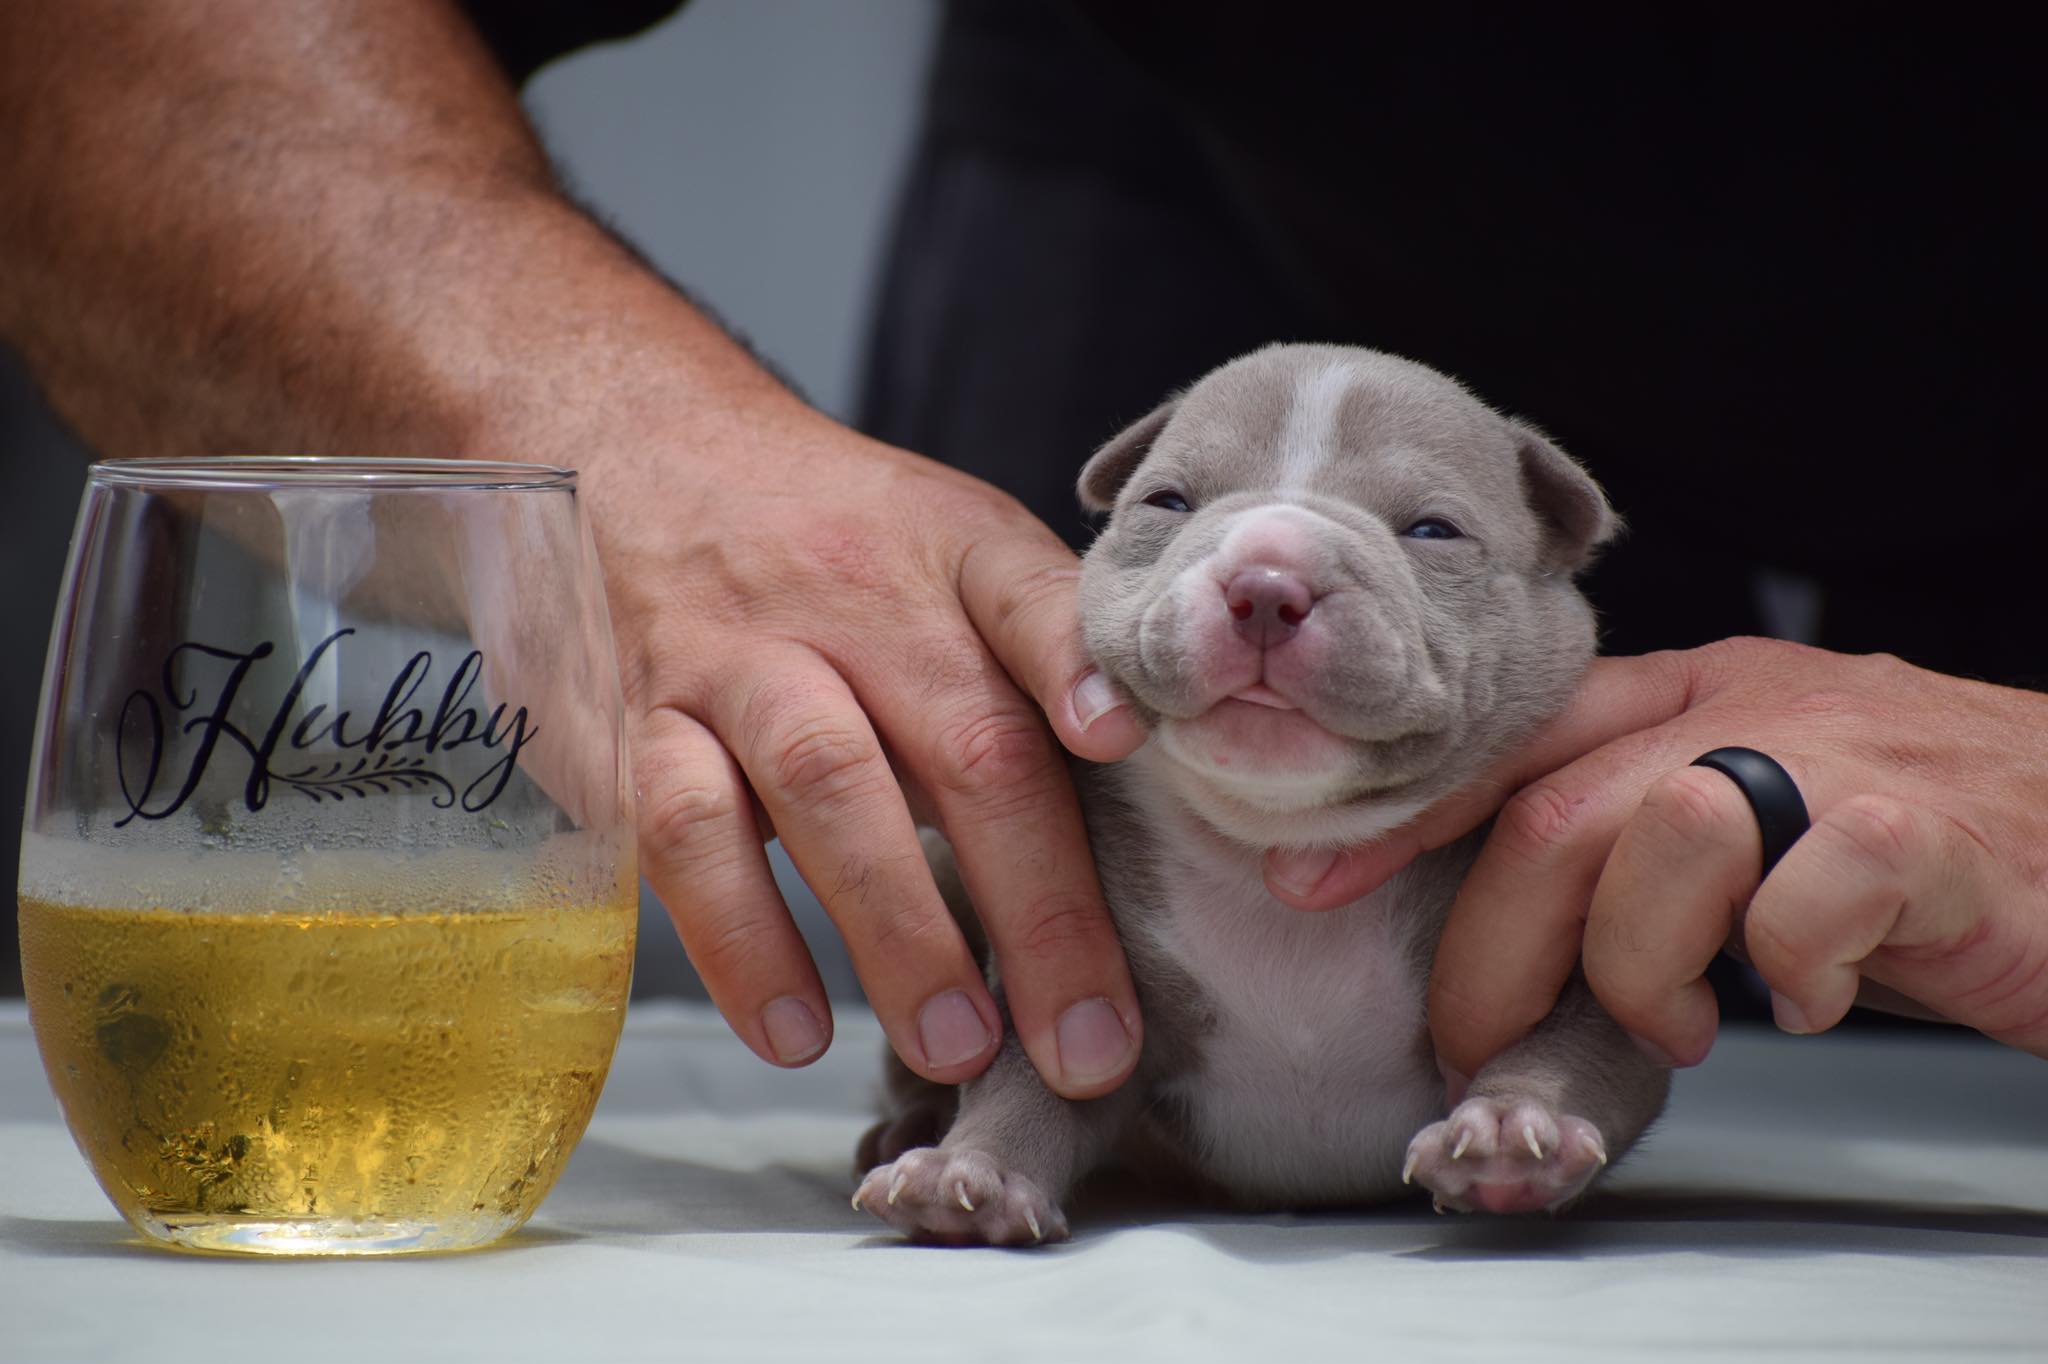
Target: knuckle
point(1671, 678)
point(777, 701)
point(822, 765)
point(1751, 660)
point(807, 755)
point(1059, 926)
point(2013, 1001)
point(680, 815)
point(731, 947)
point(996, 752)
point(1027, 595)
point(1882, 669)
point(1877, 830)
point(1776, 949)
point(1540, 824)
point(1690, 803)
point(1631, 994)
point(909, 929)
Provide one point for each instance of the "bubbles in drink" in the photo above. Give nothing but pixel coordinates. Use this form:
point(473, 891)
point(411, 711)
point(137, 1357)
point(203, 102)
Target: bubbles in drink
point(412, 1076)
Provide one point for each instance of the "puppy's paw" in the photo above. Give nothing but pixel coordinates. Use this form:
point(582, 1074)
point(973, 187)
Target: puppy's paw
point(1493, 1155)
point(919, 1123)
point(959, 1198)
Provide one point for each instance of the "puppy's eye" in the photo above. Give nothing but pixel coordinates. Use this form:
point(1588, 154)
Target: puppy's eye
point(1433, 528)
point(1167, 500)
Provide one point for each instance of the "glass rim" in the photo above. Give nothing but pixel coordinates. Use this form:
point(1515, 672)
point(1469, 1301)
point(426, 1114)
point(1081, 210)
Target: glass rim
point(356, 472)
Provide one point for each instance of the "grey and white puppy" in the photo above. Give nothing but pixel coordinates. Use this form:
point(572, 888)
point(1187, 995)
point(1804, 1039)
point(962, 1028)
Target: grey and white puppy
point(1335, 585)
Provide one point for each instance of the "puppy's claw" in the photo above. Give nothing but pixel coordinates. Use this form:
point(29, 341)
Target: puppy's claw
point(1529, 1135)
point(856, 1200)
point(1464, 1140)
point(1031, 1221)
point(960, 1192)
point(1407, 1169)
point(1601, 1156)
point(1437, 1206)
point(896, 1187)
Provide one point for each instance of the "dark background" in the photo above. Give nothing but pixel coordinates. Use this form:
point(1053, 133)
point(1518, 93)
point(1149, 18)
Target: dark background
point(42, 469)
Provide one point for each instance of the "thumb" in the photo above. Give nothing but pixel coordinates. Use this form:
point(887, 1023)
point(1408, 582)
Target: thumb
point(1020, 588)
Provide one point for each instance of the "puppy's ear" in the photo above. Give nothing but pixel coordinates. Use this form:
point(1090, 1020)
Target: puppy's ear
point(1109, 468)
point(1571, 511)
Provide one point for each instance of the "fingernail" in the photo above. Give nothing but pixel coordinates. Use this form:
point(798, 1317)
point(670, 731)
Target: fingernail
point(950, 1030)
point(1094, 698)
point(1788, 1016)
point(1653, 1051)
point(1093, 1042)
point(794, 1033)
point(1299, 871)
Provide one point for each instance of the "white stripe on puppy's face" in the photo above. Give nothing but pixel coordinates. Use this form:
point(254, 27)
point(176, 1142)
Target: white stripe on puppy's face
point(1353, 670)
point(1311, 431)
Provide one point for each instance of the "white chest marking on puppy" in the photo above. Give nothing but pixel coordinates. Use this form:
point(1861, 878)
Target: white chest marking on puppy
point(1312, 424)
point(1317, 1067)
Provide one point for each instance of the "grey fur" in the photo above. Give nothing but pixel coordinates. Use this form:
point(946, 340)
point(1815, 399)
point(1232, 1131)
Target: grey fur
point(1425, 658)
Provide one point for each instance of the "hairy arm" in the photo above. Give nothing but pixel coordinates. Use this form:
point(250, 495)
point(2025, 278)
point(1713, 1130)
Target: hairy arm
point(323, 226)
point(263, 225)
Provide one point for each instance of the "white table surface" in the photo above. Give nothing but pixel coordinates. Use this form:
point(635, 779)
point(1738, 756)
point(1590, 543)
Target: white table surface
point(1858, 1199)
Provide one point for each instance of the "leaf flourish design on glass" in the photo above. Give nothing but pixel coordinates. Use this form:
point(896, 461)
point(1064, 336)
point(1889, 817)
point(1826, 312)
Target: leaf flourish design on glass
point(387, 773)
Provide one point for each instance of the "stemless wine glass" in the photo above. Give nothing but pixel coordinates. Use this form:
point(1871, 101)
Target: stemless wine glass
point(328, 889)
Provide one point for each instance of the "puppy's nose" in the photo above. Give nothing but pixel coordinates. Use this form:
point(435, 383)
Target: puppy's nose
point(1267, 604)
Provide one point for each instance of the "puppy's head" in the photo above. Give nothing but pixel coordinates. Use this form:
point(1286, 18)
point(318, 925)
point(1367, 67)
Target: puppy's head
point(1336, 585)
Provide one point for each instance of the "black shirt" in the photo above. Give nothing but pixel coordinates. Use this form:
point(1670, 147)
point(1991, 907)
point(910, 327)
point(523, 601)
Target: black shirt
point(1773, 278)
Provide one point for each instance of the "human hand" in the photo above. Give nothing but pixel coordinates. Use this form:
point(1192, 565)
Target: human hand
point(1925, 874)
point(374, 255)
point(813, 618)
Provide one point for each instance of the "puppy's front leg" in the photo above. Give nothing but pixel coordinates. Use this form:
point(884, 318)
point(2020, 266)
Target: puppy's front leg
point(1542, 1119)
point(1000, 1175)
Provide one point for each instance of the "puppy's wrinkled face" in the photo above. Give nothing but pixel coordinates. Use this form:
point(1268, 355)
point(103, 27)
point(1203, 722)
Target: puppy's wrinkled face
point(1336, 586)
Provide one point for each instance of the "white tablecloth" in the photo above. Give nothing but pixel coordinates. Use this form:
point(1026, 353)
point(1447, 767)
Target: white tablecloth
point(1853, 1199)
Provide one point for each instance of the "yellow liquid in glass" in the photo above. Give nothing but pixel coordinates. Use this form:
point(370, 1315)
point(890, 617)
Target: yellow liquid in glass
point(321, 1082)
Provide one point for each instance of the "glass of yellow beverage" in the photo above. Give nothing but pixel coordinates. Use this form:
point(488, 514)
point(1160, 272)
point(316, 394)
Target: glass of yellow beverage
point(328, 888)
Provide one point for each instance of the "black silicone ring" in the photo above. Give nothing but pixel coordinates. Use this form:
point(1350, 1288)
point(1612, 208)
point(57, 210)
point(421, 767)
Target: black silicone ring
point(1770, 791)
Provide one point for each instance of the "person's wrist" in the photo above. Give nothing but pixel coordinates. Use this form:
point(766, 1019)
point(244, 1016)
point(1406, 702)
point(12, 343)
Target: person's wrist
point(588, 362)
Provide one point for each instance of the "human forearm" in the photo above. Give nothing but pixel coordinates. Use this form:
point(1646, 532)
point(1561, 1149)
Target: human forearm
point(332, 232)
point(314, 227)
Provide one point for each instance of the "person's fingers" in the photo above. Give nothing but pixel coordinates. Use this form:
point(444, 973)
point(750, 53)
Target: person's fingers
point(1617, 697)
point(1516, 928)
point(1673, 888)
point(1019, 590)
point(1826, 907)
point(1883, 889)
point(983, 754)
point(820, 772)
point(1512, 938)
point(701, 851)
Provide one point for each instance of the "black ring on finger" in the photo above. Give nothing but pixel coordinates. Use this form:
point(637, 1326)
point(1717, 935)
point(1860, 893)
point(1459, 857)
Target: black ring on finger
point(1772, 794)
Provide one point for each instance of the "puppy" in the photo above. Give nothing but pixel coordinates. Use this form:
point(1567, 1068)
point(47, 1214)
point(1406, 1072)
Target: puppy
point(1336, 586)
